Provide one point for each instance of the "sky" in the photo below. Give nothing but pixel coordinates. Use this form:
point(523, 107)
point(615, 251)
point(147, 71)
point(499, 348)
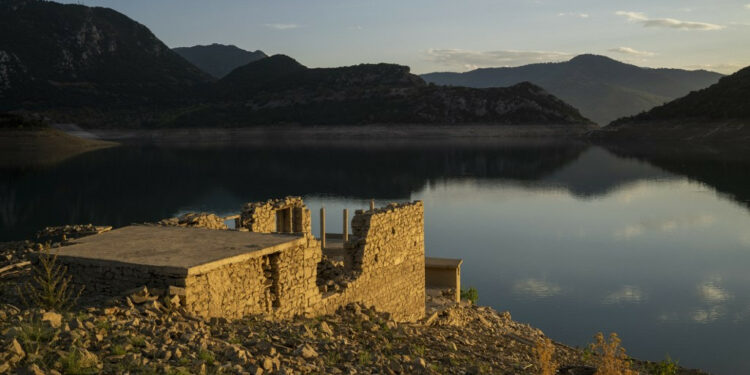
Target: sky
point(450, 35)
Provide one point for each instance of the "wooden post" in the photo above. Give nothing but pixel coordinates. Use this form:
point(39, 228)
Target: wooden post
point(323, 227)
point(346, 225)
point(372, 204)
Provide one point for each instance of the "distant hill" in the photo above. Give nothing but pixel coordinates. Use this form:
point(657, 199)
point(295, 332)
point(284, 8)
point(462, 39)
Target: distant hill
point(721, 111)
point(278, 90)
point(218, 59)
point(55, 55)
point(602, 88)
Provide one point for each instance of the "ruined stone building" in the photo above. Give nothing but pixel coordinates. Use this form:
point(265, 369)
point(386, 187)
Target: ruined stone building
point(272, 264)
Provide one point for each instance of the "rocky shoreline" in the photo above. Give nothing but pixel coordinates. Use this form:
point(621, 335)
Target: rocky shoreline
point(147, 331)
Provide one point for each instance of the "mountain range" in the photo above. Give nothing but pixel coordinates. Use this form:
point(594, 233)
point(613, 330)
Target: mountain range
point(218, 59)
point(603, 89)
point(278, 89)
point(97, 67)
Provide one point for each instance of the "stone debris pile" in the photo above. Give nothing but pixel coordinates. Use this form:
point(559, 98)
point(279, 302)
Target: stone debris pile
point(158, 336)
point(332, 277)
point(69, 232)
point(195, 220)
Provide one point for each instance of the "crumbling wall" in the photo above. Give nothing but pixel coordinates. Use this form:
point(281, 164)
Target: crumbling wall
point(277, 215)
point(386, 253)
point(195, 220)
point(280, 284)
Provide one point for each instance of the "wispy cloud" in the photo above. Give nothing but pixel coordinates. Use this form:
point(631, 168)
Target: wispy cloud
point(573, 14)
point(667, 22)
point(630, 51)
point(283, 26)
point(467, 59)
point(725, 68)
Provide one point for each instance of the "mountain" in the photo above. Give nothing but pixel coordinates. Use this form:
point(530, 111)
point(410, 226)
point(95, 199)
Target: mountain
point(218, 59)
point(279, 90)
point(721, 111)
point(56, 55)
point(97, 68)
point(602, 88)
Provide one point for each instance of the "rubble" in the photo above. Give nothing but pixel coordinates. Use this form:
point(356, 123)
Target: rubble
point(195, 220)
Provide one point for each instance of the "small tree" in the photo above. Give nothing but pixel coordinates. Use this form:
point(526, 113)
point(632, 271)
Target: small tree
point(50, 286)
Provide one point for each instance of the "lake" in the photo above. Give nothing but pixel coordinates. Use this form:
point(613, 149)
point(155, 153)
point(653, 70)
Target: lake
point(571, 238)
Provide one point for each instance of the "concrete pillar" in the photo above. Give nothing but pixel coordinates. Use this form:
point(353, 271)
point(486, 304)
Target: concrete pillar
point(346, 225)
point(372, 204)
point(323, 227)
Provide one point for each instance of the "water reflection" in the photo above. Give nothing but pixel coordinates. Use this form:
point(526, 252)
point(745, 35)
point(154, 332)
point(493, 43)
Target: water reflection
point(571, 238)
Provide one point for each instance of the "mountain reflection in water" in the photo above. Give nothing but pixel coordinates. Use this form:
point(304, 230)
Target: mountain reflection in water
point(572, 238)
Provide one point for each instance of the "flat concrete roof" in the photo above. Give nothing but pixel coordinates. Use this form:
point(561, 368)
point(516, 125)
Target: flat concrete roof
point(447, 263)
point(175, 250)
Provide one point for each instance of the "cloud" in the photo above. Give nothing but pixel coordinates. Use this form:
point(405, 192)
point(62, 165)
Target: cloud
point(626, 294)
point(467, 59)
point(283, 26)
point(573, 14)
point(725, 68)
point(630, 51)
point(747, 6)
point(536, 288)
point(667, 22)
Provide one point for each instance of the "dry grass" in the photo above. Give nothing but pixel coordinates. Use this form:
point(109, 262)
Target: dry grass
point(611, 357)
point(544, 350)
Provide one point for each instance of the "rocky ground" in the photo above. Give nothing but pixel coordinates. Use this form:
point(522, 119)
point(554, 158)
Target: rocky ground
point(147, 331)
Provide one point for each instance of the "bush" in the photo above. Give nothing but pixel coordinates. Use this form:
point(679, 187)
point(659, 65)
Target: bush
point(611, 356)
point(665, 367)
point(544, 351)
point(470, 295)
point(79, 362)
point(50, 288)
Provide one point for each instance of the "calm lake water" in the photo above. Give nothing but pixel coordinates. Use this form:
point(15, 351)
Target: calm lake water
point(569, 238)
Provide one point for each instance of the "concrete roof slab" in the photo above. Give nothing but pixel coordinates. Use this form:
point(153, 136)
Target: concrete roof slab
point(181, 250)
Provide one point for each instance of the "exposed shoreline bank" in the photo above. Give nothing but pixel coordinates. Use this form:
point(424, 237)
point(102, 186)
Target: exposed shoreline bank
point(43, 146)
point(380, 131)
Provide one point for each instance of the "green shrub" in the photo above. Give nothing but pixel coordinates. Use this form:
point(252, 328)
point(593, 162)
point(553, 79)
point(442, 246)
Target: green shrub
point(207, 357)
point(470, 295)
point(35, 335)
point(75, 362)
point(665, 367)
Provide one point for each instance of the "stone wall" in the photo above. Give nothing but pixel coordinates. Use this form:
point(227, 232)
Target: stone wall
point(387, 271)
point(279, 284)
point(113, 278)
point(386, 256)
point(288, 215)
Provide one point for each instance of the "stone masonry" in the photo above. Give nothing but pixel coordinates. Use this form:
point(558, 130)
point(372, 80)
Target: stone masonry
point(288, 215)
point(230, 274)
